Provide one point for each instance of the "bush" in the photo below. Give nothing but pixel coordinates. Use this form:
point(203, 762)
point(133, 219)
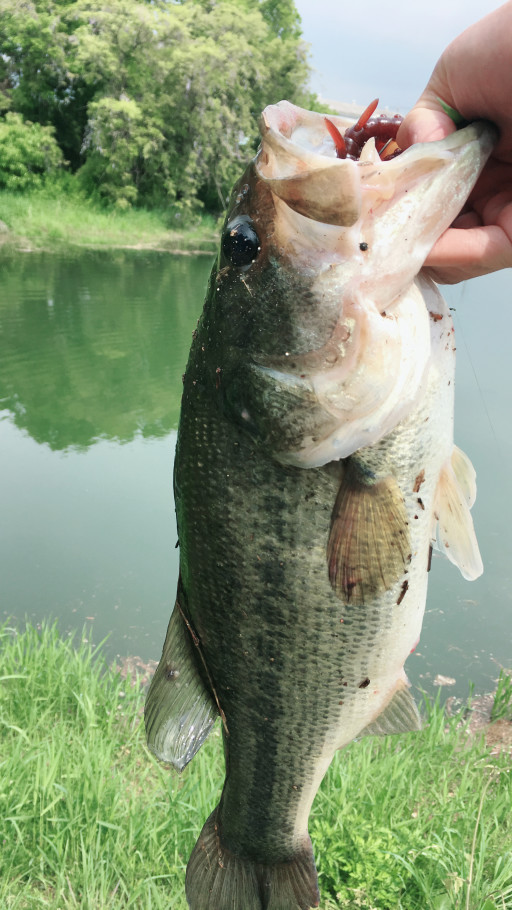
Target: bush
point(28, 153)
point(125, 153)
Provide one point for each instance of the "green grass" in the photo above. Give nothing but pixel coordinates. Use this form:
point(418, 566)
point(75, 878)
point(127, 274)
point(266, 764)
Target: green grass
point(89, 819)
point(424, 820)
point(502, 708)
point(53, 219)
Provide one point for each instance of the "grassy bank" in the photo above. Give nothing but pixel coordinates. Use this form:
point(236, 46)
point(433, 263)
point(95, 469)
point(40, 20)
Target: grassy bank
point(88, 819)
point(46, 220)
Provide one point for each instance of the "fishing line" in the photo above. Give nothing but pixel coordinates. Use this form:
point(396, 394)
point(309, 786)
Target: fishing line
point(459, 334)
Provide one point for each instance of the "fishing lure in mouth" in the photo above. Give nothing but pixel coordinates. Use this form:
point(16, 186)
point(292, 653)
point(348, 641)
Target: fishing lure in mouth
point(382, 128)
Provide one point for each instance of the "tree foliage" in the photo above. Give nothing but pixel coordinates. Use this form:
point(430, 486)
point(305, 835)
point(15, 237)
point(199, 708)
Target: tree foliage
point(152, 102)
point(28, 153)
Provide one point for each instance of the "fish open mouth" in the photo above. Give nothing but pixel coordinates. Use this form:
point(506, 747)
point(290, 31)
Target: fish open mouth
point(335, 171)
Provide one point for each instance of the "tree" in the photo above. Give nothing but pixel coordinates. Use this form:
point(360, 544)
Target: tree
point(154, 103)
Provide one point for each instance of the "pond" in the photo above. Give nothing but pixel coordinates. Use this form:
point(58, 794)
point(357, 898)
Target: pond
point(92, 349)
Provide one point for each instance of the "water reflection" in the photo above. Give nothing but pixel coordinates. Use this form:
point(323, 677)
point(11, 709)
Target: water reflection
point(92, 349)
point(93, 346)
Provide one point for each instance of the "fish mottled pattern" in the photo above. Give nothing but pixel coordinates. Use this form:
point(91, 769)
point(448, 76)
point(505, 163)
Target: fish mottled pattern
point(263, 673)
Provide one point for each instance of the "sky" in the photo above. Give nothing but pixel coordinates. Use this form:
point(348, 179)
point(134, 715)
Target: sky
point(387, 48)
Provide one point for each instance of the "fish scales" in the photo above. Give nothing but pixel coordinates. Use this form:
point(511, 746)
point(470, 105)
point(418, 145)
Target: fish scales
point(260, 671)
point(315, 458)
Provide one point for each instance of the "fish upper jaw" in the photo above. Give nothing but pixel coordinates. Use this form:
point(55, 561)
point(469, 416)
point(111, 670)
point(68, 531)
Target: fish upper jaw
point(300, 167)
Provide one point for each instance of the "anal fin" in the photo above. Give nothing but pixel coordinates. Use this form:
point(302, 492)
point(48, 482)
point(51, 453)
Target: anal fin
point(368, 548)
point(400, 715)
point(455, 494)
point(179, 711)
point(465, 474)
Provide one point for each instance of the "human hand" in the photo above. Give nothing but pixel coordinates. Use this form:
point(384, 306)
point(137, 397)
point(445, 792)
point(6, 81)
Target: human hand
point(473, 76)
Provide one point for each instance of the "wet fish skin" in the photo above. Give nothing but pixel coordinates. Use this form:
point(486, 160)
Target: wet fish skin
point(299, 660)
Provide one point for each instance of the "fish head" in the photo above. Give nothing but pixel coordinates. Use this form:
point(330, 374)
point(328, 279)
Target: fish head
point(318, 281)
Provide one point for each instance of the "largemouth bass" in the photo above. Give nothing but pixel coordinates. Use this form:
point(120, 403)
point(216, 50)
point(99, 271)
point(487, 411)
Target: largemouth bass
point(315, 467)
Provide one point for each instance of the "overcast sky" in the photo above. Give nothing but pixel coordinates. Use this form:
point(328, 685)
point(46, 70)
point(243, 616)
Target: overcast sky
point(367, 48)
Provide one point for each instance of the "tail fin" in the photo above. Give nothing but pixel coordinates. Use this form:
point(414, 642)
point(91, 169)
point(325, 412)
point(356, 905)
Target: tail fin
point(218, 879)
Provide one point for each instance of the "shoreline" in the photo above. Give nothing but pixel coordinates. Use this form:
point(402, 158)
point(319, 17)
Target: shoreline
point(40, 222)
point(13, 243)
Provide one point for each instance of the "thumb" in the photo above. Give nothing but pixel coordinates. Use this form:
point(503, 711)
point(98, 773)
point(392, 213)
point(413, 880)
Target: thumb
point(426, 122)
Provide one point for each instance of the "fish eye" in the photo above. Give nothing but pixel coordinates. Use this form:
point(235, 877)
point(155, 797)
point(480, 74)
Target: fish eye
point(240, 243)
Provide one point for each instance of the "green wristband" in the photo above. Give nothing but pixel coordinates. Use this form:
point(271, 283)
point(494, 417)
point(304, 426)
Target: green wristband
point(454, 115)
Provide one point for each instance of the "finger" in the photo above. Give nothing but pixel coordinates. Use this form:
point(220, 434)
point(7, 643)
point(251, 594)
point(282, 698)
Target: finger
point(468, 253)
point(497, 209)
point(467, 220)
point(424, 124)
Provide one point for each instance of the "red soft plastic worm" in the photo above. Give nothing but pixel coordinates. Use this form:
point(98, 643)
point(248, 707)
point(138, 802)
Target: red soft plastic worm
point(382, 128)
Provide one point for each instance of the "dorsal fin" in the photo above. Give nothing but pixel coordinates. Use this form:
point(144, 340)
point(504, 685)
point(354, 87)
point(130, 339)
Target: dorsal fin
point(368, 548)
point(455, 493)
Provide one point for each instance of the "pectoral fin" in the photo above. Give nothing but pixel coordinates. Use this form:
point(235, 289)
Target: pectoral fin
point(368, 548)
point(179, 711)
point(400, 715)
point(455, 494)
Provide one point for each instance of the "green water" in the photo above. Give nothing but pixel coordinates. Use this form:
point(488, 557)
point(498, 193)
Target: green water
point(92, 348)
